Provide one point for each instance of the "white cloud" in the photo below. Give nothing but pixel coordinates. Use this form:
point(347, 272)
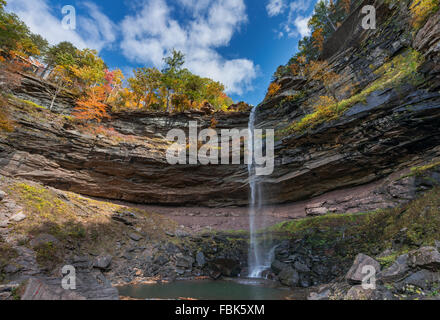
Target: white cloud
point(94, 30)
point(149, 36)
point(301, 24)
point(275, 7)
point(296, 23)
point(300, 5)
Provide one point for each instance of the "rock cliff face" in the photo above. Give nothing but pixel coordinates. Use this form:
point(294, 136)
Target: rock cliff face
point(391, 130)
point(129, 164)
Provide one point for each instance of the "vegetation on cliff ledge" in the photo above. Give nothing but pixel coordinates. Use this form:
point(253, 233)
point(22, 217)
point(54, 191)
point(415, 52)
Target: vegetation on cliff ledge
point(403, 228)
point(400, 70)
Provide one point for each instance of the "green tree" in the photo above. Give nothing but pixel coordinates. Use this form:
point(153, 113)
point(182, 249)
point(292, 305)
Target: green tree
point(145, 85)
point(88, 69)
point(172, 73)
point(64, 54)
point(194, 87)
point(41, 44)
point(14, 34)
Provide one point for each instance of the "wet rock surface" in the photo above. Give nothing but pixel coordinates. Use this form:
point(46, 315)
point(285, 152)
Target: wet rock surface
point(403, 280)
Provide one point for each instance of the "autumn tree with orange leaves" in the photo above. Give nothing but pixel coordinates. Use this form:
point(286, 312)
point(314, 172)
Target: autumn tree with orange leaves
point(92, 106)
point(318, 39)
point(321, 71)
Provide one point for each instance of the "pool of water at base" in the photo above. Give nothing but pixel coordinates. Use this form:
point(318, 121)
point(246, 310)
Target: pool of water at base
point(228, 289)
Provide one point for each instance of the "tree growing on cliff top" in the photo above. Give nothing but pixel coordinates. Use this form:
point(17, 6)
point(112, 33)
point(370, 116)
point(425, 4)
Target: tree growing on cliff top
point(145, 86)
point(15, 37)
point(92, 106)
point(172, 73)
point(63, 54)
point(88, 70)
point(60, 78)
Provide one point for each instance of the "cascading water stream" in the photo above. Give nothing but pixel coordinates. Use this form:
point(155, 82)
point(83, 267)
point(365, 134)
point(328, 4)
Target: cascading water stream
point(258, 260)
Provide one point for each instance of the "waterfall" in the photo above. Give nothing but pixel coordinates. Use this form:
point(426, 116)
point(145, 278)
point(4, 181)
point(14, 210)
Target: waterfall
point(258, 260)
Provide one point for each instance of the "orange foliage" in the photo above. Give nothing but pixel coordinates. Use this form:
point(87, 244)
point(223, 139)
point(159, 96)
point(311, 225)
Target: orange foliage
point(92, 106)
point(318, 39)
point(295, 69)
point(10, 71)
point(346, 4)
point(421, 10)
point(273, 89)
point(214, 123)
point(6, 123)
point(321, 71)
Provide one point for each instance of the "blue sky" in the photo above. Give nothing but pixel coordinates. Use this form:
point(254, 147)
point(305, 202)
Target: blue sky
point(237, 42)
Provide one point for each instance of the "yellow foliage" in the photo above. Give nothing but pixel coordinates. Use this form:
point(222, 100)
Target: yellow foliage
point(318, 39)
point(92, 106)
point(6, 123)
point(321, 71)
point(273, 89)
point(402, 68)
point(421, 10)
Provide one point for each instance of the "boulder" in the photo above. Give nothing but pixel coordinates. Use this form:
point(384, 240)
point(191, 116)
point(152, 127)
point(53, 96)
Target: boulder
point(359, 293)
point(437, 244)
point(181, 233)
point(183, 261)
point(127, 255)
point(200, 259)
point(160, 259)
point(423, 279)
point(215, 275)
point(18, 217)
point(301, 267)
point(289, 277)
point(227, 267)
point(82, 262)
point(425, 258)
point(396, 271)
point(134, 236)
point(320, 295)
point(36, 289)
point(278, 266)
point(2, 195)
point(12, 268)
point(304, 280)
point(126, 217)
point(103, 262)
point(356, 273)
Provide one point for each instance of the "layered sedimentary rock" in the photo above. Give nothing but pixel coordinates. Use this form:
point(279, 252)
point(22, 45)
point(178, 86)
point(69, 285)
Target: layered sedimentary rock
point(391, 130)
